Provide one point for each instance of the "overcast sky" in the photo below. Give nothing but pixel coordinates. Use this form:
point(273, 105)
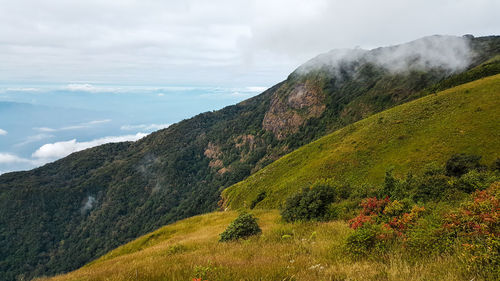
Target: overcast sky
point(217, 43)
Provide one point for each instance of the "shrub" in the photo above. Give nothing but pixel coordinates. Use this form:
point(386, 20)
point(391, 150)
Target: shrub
point(394, 208)
point(310, 204)
point(393, 187)
point(379, 223)
point(369, 238)
point(402, 223)
point(480, 216)
point(245, 225)
point(372, 208)
point(477, 226)
point(461, 163)
point(426, 237)
point(430, 186)
point(475, 180)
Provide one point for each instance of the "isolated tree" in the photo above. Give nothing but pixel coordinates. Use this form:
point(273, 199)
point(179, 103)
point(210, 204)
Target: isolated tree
point(244, 226)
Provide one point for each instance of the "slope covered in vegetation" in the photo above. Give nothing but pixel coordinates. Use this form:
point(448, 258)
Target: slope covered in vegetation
point(405, 138)
point(190, 250)
point(64, 214)
point(439, 223)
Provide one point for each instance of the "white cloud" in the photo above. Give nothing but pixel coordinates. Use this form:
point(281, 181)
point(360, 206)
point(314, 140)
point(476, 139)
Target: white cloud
point(144, 127)
point(52, 151)
point(94, 122)
point(3, 132)
point(45, 129)
point(256, 89)
point(91, 88)
point(8, 158)
point(29, 89)
point(73, 127)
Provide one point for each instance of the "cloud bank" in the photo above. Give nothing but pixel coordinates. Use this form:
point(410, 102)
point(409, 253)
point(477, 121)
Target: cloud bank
point(52, 151)
point(61, 149)
point(3, 132)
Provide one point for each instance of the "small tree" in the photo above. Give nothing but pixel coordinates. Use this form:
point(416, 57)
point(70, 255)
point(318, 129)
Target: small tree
point(245, 225)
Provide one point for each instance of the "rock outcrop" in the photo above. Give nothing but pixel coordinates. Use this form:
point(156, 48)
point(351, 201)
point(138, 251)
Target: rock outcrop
point(291, 106)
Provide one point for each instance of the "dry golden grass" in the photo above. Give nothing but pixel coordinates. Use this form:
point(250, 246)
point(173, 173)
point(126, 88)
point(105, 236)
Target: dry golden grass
point(301, 251)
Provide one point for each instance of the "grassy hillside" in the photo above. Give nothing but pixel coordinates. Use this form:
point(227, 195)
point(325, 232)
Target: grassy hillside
point(178, 172)
point(461, 119)
point(407, 137)
point(300, 251)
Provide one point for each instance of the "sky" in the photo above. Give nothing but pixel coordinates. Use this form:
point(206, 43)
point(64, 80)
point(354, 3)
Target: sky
point(74, 74)
point(210, 43)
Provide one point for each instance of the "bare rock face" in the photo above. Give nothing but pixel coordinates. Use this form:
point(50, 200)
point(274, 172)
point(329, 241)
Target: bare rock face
point(291, 106)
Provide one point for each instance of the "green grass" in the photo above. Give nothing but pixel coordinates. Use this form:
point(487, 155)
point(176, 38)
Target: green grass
point(407, 137)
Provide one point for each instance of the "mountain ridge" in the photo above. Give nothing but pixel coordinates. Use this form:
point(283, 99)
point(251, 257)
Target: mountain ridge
point(304, 250)
point(179, 171)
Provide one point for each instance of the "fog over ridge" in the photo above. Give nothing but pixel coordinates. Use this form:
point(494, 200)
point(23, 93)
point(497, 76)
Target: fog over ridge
point(450, 53)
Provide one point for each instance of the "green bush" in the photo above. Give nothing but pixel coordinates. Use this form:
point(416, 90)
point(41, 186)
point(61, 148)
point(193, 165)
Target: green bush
point(310, 204)
point(362, 240)
point(369, 239)
point(475, 180)
point(430, 187)
point(461, 163)
point(426, 237)
point(397, 188)
point(245, 225)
